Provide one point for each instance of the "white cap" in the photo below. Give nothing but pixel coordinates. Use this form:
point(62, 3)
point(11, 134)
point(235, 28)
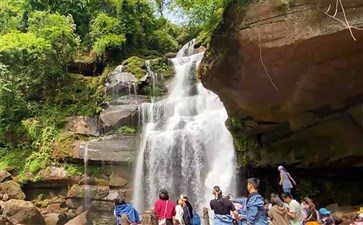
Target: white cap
point(280, 168)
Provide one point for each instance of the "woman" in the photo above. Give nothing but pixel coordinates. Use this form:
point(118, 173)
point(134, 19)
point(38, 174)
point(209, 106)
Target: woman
point(312, 215)
point(222, 208)
point(164, 208)
point(278, 213)
point(121, 208)
point(285, 180)
point(188, 210)
point(179, 212)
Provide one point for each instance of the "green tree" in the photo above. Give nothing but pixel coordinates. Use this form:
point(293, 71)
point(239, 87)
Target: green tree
point(59, 31)
point(107, 34)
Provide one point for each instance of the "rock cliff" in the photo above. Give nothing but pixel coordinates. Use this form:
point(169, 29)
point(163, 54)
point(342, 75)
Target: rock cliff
point(290, 76)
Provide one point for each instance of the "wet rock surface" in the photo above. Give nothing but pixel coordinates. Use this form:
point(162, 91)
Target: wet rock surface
point(116, 148)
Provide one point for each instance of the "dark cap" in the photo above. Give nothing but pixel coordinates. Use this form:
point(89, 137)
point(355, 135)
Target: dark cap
point(163, 191)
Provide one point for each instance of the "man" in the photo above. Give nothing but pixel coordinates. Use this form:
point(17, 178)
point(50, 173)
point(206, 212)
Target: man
point(222, 208)
point(295, 211)
point(256, 213)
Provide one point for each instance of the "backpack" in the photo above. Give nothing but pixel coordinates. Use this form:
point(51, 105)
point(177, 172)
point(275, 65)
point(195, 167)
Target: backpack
point(195, 219)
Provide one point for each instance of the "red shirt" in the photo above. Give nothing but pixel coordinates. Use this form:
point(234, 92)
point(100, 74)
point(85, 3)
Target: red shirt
point(161, 205)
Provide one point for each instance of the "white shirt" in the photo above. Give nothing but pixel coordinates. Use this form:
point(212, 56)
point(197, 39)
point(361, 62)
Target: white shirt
point(179, 213)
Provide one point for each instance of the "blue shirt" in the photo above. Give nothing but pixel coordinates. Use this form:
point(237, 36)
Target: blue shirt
point(256, 213)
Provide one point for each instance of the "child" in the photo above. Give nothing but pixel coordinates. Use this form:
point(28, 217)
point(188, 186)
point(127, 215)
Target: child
point(325, 217)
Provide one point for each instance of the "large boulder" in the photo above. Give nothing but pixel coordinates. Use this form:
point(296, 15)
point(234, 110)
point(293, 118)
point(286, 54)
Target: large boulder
point(117, 181)
point(121, 111)
point(83, 125)
point(4, 175)
point(22, 212)
point(88, 191)
point(53, 173)
point(283, 70)
point(120, 83)
point(12, 189)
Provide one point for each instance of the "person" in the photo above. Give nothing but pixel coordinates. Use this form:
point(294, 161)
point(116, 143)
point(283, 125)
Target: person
point(188, 210)
point(312, 215)
point(325, 217)
point(357, 220)
point(295, 210)
point(241, 208)
point(285, 179)
point(179, 212)
point(222, 208)
point(278, 213)
point(164, 208)
point(256, 213)
point(121, 208)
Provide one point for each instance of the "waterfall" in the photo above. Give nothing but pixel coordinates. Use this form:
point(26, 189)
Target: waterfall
point(185, 146)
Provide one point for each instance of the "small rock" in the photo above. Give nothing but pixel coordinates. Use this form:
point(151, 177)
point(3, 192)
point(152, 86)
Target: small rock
point(83, 125)
point(81, 219)
point(53, 173)
point(5, 197)
point(116, 181)
point(333, 207)
point(55, 219)
point(54, 208)
point(12, 189)
point(74, 203)
point(88, 180)
point(80, 210)
point(4, 175)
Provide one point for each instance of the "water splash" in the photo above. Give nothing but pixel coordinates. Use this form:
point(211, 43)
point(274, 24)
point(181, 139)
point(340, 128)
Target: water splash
point(185, 146)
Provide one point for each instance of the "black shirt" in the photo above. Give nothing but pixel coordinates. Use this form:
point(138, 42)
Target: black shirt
point(222, 206)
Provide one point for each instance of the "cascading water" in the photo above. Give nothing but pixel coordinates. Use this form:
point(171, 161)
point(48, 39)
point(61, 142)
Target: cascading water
point(185, 146)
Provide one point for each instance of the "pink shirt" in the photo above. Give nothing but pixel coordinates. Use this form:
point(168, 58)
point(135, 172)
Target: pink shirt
point(161, 205)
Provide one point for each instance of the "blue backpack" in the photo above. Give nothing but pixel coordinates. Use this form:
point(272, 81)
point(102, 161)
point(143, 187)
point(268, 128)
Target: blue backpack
point(195, 219)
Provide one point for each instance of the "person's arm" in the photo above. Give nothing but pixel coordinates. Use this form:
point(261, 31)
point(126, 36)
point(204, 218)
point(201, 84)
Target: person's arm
point(280, 182)
point(270, 212)
point(292, 212)
point(211, 206)
point(292, 179)
point(157, 208)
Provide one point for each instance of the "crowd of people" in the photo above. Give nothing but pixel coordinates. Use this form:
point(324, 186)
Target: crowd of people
point(252, 210)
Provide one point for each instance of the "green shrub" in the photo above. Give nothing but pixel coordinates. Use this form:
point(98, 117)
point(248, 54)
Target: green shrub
point(135, 65)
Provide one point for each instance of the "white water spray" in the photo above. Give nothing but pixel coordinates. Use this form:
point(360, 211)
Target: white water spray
point(185, 146)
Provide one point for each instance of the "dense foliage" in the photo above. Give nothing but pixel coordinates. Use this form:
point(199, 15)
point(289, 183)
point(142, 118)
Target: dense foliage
point(40, 38)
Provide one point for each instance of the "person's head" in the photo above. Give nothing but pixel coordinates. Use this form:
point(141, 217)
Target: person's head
point(217, 192)
point(119, 201)
point(276, 201)
point(308, 203)
point(253, 184)
point(229, 196)
point(286, 197)
point(281, 168)
point(185, 198)
point(180, 202)
point(163, 194)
